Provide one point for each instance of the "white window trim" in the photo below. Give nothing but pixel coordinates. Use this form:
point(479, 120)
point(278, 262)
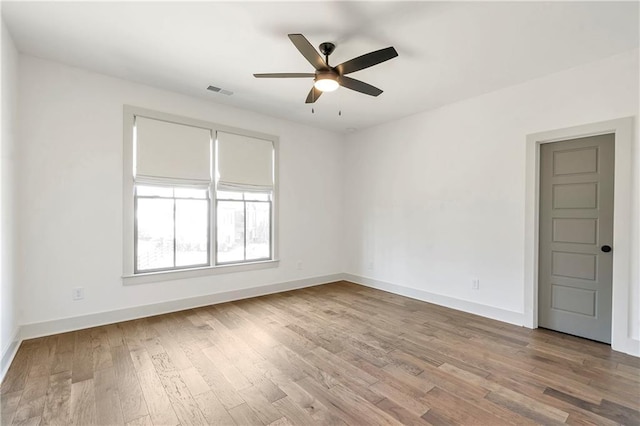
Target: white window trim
point(128, 276)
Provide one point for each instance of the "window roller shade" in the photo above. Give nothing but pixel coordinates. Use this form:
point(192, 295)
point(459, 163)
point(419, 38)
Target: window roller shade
point(244, 163)
point(172, 151)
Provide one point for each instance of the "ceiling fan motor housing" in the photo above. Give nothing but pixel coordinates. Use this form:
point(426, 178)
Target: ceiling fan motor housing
point(324, 75)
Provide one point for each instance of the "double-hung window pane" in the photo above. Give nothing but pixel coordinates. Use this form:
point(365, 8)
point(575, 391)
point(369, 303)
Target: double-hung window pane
point(155, 233)
point(172, 228)
point(230, 229)
point(243, 227)
point(192, 232)
point(258, 215)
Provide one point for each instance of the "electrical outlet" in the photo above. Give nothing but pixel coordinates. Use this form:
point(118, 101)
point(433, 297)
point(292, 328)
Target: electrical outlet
point(475, 284)
point(299, 266)
point(370, 265)
point(78, 293)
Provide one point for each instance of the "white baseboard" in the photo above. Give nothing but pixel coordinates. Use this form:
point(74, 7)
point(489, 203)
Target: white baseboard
point(503, 315)
point(9, 353)
point(46, 328)
point(631, 347)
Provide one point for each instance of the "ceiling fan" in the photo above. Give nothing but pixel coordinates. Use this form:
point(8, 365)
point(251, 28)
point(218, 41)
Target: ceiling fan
point(328, 78)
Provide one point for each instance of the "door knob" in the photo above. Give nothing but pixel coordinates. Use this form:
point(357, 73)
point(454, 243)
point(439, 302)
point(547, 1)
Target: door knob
point(605, 248)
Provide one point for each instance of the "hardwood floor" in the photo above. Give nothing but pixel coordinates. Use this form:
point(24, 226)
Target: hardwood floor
point(334, 354)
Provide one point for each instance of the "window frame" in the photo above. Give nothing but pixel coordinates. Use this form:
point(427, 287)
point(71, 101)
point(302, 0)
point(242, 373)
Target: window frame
point(130, 274)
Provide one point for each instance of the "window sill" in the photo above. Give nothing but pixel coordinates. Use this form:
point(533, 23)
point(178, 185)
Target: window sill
point(197, 272)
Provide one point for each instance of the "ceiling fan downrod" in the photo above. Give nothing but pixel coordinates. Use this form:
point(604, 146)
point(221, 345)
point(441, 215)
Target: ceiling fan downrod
point(327, 49)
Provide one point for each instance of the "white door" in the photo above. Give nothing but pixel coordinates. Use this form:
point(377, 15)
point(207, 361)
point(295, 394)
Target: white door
point(576, 236)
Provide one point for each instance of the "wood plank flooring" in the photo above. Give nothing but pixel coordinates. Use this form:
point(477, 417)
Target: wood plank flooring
point(332, 355)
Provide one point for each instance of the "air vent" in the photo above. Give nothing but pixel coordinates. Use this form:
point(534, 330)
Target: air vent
point(219, 90)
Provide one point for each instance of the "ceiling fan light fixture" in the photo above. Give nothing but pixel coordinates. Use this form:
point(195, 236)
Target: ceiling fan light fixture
point(326, 82)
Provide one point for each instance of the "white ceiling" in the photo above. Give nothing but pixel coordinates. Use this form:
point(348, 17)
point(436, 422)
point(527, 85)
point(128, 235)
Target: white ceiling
point(447, 51)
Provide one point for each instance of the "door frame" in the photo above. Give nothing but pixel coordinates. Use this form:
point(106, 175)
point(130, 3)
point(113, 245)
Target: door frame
point(623, 133)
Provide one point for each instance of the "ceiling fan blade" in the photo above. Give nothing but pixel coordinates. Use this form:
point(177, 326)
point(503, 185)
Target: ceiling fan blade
point(358, 86)
point(286, 75)
point(367, 60)
point(309, 52)
point(313, 95)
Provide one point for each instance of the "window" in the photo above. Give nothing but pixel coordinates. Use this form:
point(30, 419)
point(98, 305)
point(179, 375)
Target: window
point(172, 228)
point(197, 195)
point(244, 171)
point(243, 226)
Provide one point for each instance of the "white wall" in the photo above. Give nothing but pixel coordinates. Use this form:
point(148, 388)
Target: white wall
point(438, 198)
point(70, 193)
point(427, 202)
point(8, 293)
